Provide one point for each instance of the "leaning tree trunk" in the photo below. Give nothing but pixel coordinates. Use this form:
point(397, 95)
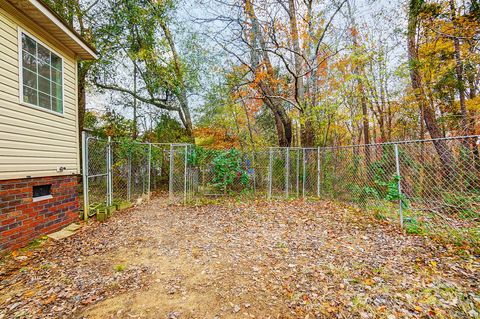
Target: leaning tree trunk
point(441, 146)
point(259, 53)
point(184, 114)
point(184, 111)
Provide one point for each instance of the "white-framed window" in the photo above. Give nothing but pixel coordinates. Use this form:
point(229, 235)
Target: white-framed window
point(41, 75)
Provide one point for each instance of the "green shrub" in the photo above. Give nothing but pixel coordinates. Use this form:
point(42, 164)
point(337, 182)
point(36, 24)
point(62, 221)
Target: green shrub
point(412, 226)
point(227, 170)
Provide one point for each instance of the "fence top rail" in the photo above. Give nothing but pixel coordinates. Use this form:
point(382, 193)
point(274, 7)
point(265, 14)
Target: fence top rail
point(167, 144)
point(405, 142)
point(95, 138)
point(101, 139)
point(314, 148)
point(293, 148)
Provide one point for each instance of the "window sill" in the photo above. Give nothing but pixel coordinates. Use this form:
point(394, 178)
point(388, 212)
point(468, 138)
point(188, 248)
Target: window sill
point(41, 198)
point(39, 108)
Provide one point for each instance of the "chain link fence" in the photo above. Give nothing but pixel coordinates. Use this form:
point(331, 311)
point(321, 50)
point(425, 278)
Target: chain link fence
point(293, 172)
point(427, 186)
point(124, 173)
point(183, 176)
point(95, 174)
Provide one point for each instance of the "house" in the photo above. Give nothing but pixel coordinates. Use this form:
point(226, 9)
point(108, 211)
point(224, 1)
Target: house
point(39, 144)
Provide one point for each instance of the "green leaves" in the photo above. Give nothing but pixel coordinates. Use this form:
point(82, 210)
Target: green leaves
point(226, 167)
point(128, 147)
point(393, 193)
point(227, 170)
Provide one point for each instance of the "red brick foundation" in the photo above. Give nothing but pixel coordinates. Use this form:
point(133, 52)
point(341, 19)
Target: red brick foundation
point(22, 219)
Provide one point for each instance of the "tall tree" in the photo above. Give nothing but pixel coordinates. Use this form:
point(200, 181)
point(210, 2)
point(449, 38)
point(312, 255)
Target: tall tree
point(415, 8)
point(266, 78)
point(139, 31)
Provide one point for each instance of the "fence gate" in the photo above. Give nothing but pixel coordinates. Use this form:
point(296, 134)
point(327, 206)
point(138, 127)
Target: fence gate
point(293, 172)
point(183, 176)
point(96, 174)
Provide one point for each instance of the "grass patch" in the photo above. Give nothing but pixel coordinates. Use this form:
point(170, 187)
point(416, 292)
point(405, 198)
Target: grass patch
point(413, 227)
point(119, 268)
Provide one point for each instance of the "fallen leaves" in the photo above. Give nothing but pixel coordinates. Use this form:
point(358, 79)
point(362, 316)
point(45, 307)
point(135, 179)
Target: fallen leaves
point(256, 259)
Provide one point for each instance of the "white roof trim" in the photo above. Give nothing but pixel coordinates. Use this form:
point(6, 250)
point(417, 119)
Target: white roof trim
point(60, 24)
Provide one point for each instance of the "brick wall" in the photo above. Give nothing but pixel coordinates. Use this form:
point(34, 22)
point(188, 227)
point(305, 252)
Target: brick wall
point(22, 219)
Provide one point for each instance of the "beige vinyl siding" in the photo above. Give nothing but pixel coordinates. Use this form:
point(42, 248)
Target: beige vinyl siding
point(34, 142)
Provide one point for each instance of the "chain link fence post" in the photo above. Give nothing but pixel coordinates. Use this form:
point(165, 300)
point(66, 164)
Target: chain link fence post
point(318, 172)
point(149, 169)
point(297, 172)
point(270, 175)
point(397, 165)
point(85, 175)
point(287, 171)
point(109, 172)
point(185, 173)
point(304, 175)
point(170, 175)
point(129, 176)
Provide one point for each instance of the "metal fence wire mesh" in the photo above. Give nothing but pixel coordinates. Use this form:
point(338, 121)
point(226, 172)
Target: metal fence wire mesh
point(293, 172)
point(430, 186)
point(113, 173)
point(130, 171)
point(183, 176)
point(159, 169)
point(427, 186)
point(96, 178)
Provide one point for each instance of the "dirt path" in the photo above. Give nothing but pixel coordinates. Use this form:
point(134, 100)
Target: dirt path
point(242, 260)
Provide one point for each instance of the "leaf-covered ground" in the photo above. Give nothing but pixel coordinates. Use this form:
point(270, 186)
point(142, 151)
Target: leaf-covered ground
point(240, 260)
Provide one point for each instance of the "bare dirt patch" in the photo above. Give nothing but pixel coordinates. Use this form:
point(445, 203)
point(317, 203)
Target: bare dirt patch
point(240, 260)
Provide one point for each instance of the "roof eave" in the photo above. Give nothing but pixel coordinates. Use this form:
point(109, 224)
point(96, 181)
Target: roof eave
point(40, 13)
point(90, 53)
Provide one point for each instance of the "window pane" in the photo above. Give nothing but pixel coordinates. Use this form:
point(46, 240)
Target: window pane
point(43, 61)
point(44, 101)
point(56, 91)
point(57, 77)
point(57, 105)
point(42, 75)
point(43, 85)
point(29, 45)
point(30, 95)
point(43, 54)
point(29, 61)
point(44, 69)
point(56, 62)
point(29, 78)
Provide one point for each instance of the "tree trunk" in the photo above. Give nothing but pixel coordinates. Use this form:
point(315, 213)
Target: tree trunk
point(134, 129)
point(283, 122)
point(249, 124)
point(184, 114)
point(308, 133)
point(441, 147)
point(184, 111)
point(299, 85)
point(359, 71)
point(459, 72)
